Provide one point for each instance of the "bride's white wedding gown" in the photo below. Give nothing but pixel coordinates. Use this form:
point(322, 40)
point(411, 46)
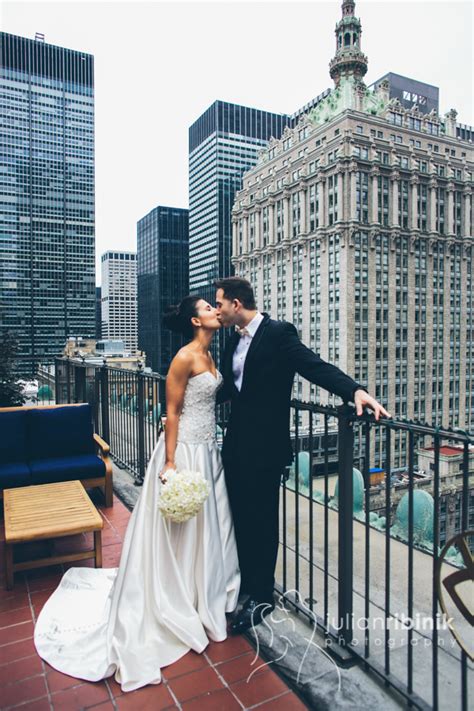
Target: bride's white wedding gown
point(174, 584)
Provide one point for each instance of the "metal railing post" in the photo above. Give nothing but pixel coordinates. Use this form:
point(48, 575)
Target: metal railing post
point(345, 523)
point(57, 390)
point(68, 380)
point(141, 422)
point(162, 394)
point(104, 401)
point(96, 398)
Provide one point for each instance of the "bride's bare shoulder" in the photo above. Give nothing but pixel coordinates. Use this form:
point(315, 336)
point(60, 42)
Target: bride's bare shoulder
point(183, 360)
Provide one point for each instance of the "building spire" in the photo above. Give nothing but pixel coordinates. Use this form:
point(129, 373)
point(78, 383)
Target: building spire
point(349, 61)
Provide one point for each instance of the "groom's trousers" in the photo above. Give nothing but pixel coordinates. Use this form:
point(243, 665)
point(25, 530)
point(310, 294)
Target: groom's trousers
point(254, 500)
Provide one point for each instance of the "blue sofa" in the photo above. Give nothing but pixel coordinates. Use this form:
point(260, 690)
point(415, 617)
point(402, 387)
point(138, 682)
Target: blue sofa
point(41, 445)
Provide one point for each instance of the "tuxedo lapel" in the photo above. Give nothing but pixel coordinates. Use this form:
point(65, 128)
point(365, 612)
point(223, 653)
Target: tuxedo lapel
point(253, 348)
point(228, 372)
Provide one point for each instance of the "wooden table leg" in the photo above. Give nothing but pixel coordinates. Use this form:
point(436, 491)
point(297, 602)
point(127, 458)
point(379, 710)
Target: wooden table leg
point(98, 548)
point(9, 565)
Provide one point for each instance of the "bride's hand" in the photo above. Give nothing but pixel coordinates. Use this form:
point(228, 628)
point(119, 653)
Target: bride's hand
point(166, 468)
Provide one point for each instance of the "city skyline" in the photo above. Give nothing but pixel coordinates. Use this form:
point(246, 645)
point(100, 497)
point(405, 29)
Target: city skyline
point(153, 162)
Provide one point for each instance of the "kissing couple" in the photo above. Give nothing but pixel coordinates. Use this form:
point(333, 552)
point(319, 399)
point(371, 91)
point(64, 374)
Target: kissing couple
point(177, 582)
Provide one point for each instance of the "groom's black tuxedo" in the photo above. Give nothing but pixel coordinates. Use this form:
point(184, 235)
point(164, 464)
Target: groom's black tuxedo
point(257, 443)
point(259, 420)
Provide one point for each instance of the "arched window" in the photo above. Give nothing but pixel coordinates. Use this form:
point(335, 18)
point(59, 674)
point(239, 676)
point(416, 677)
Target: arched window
point(339, 41)
point(354, 38)
point(347, 39)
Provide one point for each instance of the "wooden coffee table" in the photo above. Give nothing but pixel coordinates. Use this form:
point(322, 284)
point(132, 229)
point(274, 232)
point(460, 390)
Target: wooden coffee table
point(44, 511)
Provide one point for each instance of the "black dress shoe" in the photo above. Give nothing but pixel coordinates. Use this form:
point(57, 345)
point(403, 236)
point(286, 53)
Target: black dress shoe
point(250, 615)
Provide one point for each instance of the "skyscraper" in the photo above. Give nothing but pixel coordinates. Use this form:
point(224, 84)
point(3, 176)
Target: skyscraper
point(357, 226)
point(98, 313)
point(119, 298)
point(411, 92)
point(162, 266)
point(223, 143)
point(47, 272)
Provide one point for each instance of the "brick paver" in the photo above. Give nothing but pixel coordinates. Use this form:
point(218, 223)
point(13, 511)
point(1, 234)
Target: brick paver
point(223, 678)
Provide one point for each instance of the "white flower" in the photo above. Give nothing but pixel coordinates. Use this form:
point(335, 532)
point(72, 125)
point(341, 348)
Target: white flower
point(183, 495)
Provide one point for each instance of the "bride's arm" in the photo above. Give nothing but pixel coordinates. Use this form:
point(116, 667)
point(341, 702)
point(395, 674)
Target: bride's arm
point(176, 381)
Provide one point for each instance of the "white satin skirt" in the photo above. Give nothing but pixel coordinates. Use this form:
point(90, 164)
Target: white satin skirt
point(170, 593)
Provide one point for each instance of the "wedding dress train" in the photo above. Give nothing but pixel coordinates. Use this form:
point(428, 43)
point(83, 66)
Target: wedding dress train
point(174, 584)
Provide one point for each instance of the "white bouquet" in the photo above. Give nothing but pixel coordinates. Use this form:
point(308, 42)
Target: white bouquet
point(183, 495)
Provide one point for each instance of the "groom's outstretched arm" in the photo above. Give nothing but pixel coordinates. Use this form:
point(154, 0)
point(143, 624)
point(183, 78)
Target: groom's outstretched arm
point(312, 367)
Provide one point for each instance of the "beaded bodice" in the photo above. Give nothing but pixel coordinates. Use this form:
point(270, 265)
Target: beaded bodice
point(197, 422)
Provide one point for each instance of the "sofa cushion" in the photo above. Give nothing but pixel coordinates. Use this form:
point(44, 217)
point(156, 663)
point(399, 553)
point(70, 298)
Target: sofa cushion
point(14, 474)
point(60, 432)
point(13, 443)
point(85, 466)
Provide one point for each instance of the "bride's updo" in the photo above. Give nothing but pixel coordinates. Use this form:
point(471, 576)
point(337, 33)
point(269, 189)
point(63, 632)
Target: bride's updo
point(178, 317)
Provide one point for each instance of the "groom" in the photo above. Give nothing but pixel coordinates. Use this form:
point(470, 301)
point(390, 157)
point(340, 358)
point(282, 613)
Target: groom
point(259, 365)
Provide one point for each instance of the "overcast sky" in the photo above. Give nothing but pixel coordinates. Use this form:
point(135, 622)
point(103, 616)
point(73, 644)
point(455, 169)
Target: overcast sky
point(159, 65)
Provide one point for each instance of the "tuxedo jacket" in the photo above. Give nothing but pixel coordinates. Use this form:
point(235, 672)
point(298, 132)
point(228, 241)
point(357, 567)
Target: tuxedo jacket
point(258, 428)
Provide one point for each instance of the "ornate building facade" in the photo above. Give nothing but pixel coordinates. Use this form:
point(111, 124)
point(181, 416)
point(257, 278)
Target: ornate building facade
point(356, 225)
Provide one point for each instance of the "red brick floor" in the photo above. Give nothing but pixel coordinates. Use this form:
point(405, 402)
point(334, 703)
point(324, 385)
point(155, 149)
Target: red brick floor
point(224, 677)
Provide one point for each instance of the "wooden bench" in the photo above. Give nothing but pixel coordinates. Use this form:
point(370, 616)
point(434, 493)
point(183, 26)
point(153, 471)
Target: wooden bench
point(45, 511)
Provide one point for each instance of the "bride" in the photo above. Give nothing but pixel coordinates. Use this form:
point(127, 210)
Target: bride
point(176, 581)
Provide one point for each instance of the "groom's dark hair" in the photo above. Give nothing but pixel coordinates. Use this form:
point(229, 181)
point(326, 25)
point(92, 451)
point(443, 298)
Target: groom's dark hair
point(237, 288)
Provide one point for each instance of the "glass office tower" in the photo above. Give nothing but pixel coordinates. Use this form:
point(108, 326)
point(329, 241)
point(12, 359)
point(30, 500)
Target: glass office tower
point(47, 266)
point(119, 298)
point(162, 269)
point(223, 144)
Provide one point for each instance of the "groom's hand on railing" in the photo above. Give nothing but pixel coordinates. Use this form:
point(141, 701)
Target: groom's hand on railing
point(362, 399)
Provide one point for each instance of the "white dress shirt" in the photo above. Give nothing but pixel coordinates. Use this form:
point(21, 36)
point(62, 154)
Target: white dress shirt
point(240, 353)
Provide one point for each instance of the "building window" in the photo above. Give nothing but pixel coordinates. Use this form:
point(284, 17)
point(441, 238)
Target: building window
point(432, 128)
point(362, 197)
point(457, 209)
point(252, 231)
point(332, 199)
point(403, 204)
point(440, 210)
point(422, 206)
point(296, 213)
point(279, 220)
point(383, 200)
point(313, 207)
point(265, 224)
point(414, 123)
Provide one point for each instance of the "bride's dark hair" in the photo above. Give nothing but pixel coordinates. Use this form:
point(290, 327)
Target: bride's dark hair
point(178, 317)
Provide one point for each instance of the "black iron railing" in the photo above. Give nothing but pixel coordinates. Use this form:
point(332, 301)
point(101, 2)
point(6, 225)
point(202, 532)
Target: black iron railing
point(367, 552)
point(127, 407)
point(367, 571)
